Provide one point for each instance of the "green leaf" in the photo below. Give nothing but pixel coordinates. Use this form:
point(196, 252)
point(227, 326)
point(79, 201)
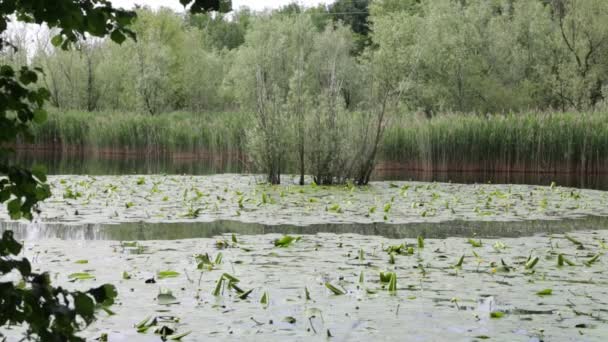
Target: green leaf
point(39, 171)
point(420, 241)
point(178, 337)
point(81, 276)
point(57, 40)
point(167, 274)
point(40, 116)
point(460, 261)
point(497, 314)
point(286, 241)
point(117, 37)
point(392, 284)
point(545, 292)
point(84, 306)
point(531, 263)
point(475, 243)
point(265, 298)
point(289, 319)
point(14, 208)
point(334, 289)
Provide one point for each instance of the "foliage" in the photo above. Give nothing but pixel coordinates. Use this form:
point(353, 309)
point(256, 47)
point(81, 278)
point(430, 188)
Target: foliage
point(51, 314)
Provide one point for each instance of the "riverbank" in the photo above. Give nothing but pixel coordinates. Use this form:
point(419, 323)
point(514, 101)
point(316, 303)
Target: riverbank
point(558, 143)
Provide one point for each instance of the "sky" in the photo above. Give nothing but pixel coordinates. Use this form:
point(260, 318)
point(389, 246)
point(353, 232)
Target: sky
point(236, 4)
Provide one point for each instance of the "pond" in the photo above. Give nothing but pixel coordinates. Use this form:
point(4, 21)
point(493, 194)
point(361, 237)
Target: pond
point(208, 256)
point(73, 162)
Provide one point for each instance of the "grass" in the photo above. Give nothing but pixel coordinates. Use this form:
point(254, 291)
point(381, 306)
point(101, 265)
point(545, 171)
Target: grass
point(537, 142)
point(532, 142)
point(124, 132)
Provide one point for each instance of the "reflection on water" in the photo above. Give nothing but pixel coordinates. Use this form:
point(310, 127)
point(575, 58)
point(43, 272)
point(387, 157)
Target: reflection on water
point(585, 181)
point(174, 231)
point(59, 163)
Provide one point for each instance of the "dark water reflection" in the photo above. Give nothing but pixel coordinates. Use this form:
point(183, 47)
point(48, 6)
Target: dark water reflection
point(185, 230)
point(59, 163)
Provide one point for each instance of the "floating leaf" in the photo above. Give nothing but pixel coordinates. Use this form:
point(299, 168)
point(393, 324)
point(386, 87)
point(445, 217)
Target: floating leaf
point(497, 314)
point(81, 261)
point(594, 259)
point(179, 336)
point(531, 263)
point(167, 274)
point(334, 289)
point(561, 260)
point(460, 261)
point(392, 284)
point(545, 292)
point(81, 276)
point(286, 241)
point(245, 294)
point(265, 298)
point(475, 243)
point(289, 319)
point(420, 241)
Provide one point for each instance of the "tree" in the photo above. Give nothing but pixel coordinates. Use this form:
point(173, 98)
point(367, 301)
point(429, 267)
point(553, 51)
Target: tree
point(52, 314)
point(353, 13)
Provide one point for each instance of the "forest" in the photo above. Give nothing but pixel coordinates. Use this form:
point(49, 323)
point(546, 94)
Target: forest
point(330, 89)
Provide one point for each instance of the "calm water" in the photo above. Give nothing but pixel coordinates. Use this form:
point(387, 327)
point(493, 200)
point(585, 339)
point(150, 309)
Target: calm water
point(58, 163)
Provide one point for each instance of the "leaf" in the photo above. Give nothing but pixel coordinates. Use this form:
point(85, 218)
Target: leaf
point(84, 306)
point(117, 36)
point(497, 314)
point(81, 276)
point(265, 298)
point(306, 293)
point(57, 40)
point(245, 294)
point(334, 289)
point(81, 261)
point(531, 263)
point(179, 336)
point(167, 274)
point(420, 241)
point(594, 259)
point(545, 292)
point(460, 261)
point(218, 287)
point(286, 241)
point(475, 243)
point(40, 116)
point(289, 319)
point(392, 284)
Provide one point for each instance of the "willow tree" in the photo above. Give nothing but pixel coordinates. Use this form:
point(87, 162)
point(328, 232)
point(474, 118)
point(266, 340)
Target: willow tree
point(330, 143)
point(269, 79)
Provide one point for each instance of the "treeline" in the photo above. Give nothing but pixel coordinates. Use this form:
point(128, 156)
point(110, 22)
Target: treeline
point(321, 84)
point(446, 55)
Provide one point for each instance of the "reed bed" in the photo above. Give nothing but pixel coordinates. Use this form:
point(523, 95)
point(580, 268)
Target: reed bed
point(140, 133)
point(531, 142)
